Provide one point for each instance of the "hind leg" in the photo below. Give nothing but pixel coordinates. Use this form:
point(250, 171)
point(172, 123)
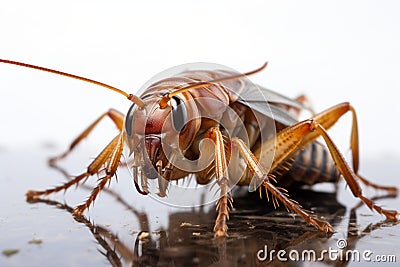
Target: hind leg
point(295, 137)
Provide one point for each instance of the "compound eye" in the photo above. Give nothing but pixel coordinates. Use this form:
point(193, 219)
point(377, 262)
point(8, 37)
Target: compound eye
point(129, 120)
point(179, 113)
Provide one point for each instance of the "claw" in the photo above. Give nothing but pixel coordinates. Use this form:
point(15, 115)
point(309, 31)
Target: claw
point(321, 225)
point(391, 214)
point(220, 233)
point(31, 195)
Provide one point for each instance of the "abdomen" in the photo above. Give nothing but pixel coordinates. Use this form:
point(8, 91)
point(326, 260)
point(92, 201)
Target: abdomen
point(309, 166)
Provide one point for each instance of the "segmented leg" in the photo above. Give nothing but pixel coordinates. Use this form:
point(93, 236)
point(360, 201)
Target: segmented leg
point(116, 116)
point(350, 176)
point(292, 138)
point(303, 133)
point(277, 194)
point(106, 155)
point(222, 180)
point(328, 118)
point(112, 162)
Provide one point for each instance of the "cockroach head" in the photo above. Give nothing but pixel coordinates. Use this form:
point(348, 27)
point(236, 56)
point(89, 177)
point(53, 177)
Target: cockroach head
point(150, 119)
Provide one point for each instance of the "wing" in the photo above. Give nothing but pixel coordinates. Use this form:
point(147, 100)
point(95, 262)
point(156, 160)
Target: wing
point(266, 102)
point(271, 110)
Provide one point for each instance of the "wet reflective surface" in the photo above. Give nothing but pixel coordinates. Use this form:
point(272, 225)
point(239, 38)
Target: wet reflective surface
point(127, 229)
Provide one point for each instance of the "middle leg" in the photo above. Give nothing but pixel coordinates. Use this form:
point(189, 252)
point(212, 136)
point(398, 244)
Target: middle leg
point(277, 193)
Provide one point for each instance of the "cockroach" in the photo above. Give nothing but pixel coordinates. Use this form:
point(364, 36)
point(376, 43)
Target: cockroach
point(257, 141)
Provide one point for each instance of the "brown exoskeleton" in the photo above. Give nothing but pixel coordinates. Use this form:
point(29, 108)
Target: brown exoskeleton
point(257, 141)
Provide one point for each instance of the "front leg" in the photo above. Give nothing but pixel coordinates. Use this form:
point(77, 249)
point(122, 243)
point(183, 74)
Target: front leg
point(222, 179)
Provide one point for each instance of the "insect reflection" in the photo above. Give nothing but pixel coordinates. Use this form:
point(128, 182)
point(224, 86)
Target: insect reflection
point(187, 242)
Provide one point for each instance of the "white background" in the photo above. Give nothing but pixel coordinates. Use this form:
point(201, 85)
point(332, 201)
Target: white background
point(333, 51)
